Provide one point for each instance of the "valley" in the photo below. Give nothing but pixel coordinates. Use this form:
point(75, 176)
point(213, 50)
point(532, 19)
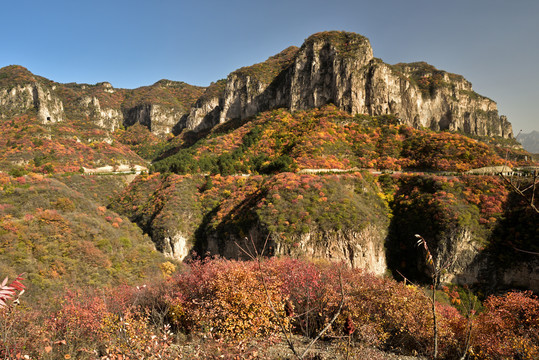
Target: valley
point(301, 182)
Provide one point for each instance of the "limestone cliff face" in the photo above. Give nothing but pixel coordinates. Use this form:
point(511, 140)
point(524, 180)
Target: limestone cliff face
point(104, 117)
point(204, 115)
point(158, 119)
point(339, 68)
point(158, 107)
point(359, 249)
point(32, 96)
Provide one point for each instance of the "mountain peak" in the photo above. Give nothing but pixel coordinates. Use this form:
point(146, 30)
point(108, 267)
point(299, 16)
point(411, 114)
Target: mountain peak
point(345, 44)
point(15, 75)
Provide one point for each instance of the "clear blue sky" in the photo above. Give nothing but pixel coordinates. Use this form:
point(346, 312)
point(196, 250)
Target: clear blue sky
point(132, 43)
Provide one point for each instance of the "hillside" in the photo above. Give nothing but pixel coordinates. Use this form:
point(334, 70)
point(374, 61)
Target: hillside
point(304, 181)
point(59, 236)
point(136, 215)
point(333, 117)
point(67, 146)
point(329, 138)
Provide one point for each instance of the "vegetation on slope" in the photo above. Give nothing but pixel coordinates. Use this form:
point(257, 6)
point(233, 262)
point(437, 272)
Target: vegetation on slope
point(268, 70)
point(429, 79)
point(141, 140)
point(215, 90)
point(285, 205)
point(347, 44)
point(328, 138)
point(444, 209)
point(58, 236)
point(64, 147)
point(16, 75)
point(165, 93)
point(219, 308)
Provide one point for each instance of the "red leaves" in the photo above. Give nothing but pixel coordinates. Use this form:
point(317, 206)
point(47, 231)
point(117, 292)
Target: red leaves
point(7, 292)
point(508, 328)
point(349, 326)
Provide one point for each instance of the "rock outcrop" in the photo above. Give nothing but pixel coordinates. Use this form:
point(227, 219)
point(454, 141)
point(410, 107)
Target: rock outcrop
point(158, 107)
point(362, 249)
point(339, 68)
point(158, 119)
point(106, 118)
point(32, 96)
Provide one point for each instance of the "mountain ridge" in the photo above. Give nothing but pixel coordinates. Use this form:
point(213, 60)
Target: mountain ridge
point(339, 68)
point(330, 67)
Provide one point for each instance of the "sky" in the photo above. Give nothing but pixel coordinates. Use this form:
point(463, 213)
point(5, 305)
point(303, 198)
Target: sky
point(131, 43)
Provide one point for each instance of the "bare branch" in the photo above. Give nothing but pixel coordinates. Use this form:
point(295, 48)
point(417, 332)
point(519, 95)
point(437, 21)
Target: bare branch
point(531, 199)
point(257, 257)
point(332, 320)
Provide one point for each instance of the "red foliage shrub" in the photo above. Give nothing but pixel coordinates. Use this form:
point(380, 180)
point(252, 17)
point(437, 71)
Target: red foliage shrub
point(227, 301)
point(508, 328)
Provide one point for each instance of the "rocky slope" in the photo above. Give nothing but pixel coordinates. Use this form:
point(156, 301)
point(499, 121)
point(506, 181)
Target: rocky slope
point(226, 215)
point(159, 107)
point(339, 68)
point(292, 179)
point(330, 67)
point(364, 221)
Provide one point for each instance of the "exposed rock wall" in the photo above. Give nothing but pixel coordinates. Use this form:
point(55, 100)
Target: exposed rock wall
point(359, 249)
point(362, 250)
point(158, 107)
point(331, 67)
point(339, 68)
point(158, 119)
point(107, 118)
point(33, 96)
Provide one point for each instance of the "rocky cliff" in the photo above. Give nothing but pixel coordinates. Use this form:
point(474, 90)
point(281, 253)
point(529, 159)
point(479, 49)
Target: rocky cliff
point(339, 68)
point(359, 249)
point(158, 107)
point(23, 92)
point(330, 67)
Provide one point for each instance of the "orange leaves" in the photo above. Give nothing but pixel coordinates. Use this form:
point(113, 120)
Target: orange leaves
point(228, 298)
point(224, 301)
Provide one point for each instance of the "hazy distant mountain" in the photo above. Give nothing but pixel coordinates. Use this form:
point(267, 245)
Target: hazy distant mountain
point(530, 141)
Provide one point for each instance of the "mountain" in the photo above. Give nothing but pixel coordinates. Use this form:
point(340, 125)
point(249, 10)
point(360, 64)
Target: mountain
point(329, 138)
point(330, 67)
point(301, 181)
point(339, 68)
point(530, 141)
point(59, 231)
point(158, 107)
point(325, 161)
point(293, 150)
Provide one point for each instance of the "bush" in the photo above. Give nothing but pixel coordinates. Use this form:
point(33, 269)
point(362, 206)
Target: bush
point(225, 302)
point(225, 299)
point(508, 328)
